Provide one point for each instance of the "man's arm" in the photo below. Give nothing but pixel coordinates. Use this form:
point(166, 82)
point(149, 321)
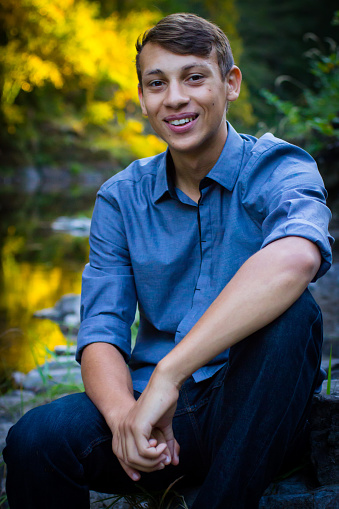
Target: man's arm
point(108, 384)
point(265, 286)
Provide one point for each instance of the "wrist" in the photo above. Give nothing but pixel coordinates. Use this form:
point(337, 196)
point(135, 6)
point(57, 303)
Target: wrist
point(118, 411)
point(169, 370)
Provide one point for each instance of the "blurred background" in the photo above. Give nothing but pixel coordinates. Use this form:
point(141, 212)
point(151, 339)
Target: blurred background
point(69, 119)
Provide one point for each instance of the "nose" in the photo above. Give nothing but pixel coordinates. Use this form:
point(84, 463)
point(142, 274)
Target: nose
point(176, 96)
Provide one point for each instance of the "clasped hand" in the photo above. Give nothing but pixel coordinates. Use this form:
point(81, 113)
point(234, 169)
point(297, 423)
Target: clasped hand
point(143, 438)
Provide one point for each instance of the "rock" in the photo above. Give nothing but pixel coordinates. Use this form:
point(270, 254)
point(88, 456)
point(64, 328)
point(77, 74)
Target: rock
point(64, 369)
point(31, 179)
point(78, 227)
point(18, 378)
point(70, 350)
point(62, 361)
point(45, 378)
point(102, 500)
point(12, 406)
point(15, 398)
point(55, 179)
point(326, 293)
point(325, 438)
point(66, 313)
point(292, 493)
point(298, 496)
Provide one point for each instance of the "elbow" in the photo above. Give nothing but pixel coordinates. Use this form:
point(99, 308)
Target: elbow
point(311, 261)
point(305, 260)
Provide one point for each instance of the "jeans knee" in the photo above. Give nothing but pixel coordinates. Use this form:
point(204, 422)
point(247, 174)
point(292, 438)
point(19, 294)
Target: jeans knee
point(23, 441)
point(300, 326)
point(287, 341)
point(60, 431)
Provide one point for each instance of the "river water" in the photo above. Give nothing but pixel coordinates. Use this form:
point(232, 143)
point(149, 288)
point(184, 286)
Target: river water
point(38, 266)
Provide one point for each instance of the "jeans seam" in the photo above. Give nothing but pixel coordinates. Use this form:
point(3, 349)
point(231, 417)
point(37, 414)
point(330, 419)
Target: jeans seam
point(93, 444)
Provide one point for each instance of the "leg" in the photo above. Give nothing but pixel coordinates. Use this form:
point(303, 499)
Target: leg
point(56, 452)
point(261, 407)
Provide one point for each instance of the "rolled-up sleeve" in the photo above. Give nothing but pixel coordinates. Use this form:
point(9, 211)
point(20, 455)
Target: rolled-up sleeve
point(108, 296)
point(292, 201)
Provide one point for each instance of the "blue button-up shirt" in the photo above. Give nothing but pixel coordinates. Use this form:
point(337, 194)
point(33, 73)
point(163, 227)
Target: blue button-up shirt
point(152, 245)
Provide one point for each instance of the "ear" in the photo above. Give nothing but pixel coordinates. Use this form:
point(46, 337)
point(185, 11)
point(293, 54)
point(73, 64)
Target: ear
point(233, 81)
point(141, 99)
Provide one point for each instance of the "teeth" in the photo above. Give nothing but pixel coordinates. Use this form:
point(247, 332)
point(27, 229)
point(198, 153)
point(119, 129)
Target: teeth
point(181, 122)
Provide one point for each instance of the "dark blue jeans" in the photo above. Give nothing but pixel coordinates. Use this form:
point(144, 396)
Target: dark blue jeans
point(235, 429)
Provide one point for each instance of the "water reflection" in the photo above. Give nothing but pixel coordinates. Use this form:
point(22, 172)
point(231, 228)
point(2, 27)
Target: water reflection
point(28, 287)
point(38, 266)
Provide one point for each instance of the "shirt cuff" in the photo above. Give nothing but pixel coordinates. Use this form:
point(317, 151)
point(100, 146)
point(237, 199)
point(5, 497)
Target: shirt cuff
point(104, 329)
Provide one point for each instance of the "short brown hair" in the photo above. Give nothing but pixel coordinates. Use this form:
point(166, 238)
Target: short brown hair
point(188, 34)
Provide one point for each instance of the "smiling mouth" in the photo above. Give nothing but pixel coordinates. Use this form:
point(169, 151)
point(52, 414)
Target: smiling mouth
point(182, 121)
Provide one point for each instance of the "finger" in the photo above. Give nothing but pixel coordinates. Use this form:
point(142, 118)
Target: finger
point(129, 456)
point(146, 450)
point(176, 451)
point(157, 433)
point(150, 460)
point(131, 472)
point(171, 441)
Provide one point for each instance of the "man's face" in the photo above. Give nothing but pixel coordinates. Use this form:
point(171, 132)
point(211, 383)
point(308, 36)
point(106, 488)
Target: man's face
point(185, 98)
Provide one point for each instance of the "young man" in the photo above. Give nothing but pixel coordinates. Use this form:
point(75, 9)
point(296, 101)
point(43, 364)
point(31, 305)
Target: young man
point(216, 240)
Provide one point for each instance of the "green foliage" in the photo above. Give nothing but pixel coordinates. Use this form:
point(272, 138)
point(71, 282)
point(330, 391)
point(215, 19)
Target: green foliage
point(272, 37)
point(313, 120)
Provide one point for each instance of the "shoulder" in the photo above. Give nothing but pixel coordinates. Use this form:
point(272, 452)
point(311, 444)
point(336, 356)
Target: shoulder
point(270, 158)
point(274, 168)
point(268, 145)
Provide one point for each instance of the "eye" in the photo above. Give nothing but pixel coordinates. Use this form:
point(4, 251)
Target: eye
point(155, 83)
point(195, 77)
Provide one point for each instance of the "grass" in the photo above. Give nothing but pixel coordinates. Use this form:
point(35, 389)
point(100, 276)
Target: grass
point(167, 499)
point(52, 389)
point(3, 496)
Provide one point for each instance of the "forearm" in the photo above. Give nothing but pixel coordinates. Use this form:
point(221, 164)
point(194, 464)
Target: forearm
point(107, 380)
point(263, 288)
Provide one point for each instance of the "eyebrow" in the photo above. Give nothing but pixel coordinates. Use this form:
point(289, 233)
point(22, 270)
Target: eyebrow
point(185, 68)
point(154, 71)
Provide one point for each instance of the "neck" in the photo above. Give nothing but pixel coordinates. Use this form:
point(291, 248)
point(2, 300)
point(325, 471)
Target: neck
point(191, 168)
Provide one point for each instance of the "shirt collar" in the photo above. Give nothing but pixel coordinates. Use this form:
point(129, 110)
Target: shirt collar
point(164, 179)
point(225, 171)
point(227, 168)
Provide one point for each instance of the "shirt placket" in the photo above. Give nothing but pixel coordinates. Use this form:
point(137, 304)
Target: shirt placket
point(203, 282)
point(205, 237)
